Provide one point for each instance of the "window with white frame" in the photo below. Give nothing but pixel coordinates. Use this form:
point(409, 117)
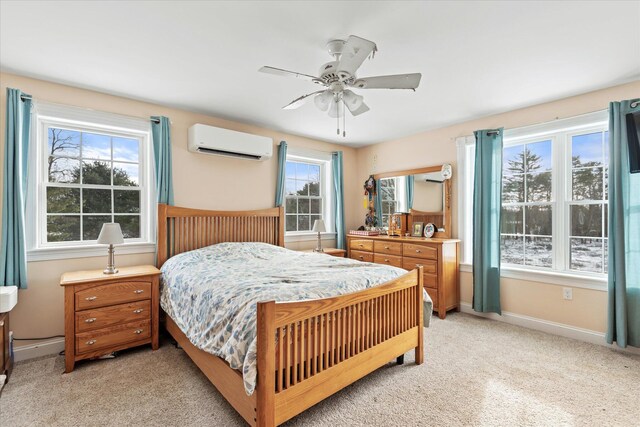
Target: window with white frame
point(307, 190)
point(88, 168)
point(389, 198)
point(554, 196)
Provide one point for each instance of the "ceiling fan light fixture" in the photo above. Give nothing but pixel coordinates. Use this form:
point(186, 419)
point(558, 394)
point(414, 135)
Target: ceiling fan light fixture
point(353, 100)
point(323, 100)
point(337, 108)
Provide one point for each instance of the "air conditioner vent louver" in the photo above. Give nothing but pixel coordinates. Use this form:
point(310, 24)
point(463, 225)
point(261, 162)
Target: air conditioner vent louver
point(228, 153)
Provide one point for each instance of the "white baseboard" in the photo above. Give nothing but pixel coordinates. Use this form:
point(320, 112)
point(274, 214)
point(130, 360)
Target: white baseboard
point(549, 327)
point(43, 348)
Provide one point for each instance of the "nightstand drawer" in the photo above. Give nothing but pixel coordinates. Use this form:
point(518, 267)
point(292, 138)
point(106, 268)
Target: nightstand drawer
point(392, 248)
point(361, 245)
point(362, 256)
point(393, 260)
point(112, 293)
point(113, 336)
point(89, 320)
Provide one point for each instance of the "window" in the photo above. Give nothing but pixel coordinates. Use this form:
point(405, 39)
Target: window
point(389, 198)
point(554, 196)
point(307, 190)
point(88, 168)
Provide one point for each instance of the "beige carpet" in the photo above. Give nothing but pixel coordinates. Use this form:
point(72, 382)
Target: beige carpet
point(477, 372)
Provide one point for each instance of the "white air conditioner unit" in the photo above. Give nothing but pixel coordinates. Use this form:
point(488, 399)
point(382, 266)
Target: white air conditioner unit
point(224, 142)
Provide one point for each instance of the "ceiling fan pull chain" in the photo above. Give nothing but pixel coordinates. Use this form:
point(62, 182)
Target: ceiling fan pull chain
point(337, 118)
point(344, 121)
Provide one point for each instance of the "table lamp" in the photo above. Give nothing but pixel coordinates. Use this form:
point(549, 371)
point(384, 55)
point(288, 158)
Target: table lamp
point(111, 234)
point(318, 227)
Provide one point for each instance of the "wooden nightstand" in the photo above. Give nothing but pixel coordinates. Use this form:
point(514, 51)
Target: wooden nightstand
point(104, 313)
point(340, 253)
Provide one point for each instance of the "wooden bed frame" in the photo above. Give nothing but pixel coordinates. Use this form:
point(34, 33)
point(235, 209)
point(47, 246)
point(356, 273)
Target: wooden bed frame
point(306, 350)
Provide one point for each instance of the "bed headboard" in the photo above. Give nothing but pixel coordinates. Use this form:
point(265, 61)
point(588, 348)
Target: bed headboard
point(184, 229)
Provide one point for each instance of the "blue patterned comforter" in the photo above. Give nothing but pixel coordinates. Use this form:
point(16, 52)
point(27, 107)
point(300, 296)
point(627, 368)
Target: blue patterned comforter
point(211, 293)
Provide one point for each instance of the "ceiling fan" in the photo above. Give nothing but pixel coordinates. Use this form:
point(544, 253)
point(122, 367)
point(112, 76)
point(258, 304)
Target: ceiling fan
point(339, 76)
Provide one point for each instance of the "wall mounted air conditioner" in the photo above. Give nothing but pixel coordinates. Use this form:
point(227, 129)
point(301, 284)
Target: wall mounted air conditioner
point(224, 142)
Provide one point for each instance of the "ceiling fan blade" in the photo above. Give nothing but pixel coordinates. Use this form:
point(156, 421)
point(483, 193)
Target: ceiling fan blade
point(354, 52)
point(398, 81)
point(363, 108)
point(286, 73)
point(298, 102)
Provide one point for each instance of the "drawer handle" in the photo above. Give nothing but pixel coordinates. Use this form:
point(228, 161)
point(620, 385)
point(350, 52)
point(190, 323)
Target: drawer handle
point(91, 298)
point(361, 257)
point(386, 247)
point(386, 260)
point(418, 251)
point(138, 311)
point(91, 342)
point(90, 320)
point(361, 245)
point(138, 291)
point(138, 331)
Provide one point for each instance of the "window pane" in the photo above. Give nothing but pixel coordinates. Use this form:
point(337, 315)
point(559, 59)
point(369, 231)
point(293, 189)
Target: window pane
point(96, 172)
point(587, 150)
point(316, 206)
point(586, 220)
point(92, 224)
point(511, 220)
point(290, 170)
point(606, 220)
point(96, 201)
point(587, 184)
point(512, 249)
point(314, 189)
point(95, 146)
point(538, 251)
point(291, 187)
point(606, 255)
point(538, 220)
point(538, 156)
point(292, 223)
point(302, 188)
point(302, 171)
point(314, 173)
point(125, 174)
point(63, 228)
point(606, 184)
point(513, 189)
point(125, 149)
point(606, 148)
point(586, 254)
point(126, 201)
point(303, 223)
point(303, 205)
point(62, 142)
point(61, 169)
point(539, 187)
point(513, 160)
point(291, 205)
point(130, 225)
point(63, 200)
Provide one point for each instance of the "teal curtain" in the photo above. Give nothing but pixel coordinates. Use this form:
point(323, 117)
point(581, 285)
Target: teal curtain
point(13, 249)
point(624, 233)
point(338, 197)
point(487, 204)
point(377, 204)
point(161, 135)
point(409, 182)
point(282, 168)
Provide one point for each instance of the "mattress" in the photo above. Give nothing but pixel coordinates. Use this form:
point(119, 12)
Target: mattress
point(211, 293)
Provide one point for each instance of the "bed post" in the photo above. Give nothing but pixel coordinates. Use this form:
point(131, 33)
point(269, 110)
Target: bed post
point(420, 348)
point(281, 227)
point(161, 256)
point(266, 353)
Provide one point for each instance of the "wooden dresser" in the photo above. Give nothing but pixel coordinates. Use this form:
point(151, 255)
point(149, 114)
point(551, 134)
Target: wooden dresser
point(106, 313)
point(439, 257)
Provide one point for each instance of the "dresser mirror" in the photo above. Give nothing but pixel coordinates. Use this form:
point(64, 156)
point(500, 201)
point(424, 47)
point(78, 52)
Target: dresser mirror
point(424, 194)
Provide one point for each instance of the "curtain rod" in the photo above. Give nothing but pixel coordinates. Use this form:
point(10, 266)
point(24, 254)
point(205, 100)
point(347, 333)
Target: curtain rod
point(25, 97)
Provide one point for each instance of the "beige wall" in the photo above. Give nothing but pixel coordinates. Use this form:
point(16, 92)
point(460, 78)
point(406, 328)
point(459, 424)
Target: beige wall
point(544, 301)
point(201, 181)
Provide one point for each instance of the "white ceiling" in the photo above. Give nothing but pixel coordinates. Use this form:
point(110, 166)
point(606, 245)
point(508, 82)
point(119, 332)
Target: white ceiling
point(476, 58)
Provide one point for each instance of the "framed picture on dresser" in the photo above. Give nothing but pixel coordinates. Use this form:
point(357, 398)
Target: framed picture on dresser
point(416, 231)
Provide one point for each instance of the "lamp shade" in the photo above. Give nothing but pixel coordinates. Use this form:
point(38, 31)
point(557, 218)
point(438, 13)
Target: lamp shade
point(318, 226)
point(111, 234)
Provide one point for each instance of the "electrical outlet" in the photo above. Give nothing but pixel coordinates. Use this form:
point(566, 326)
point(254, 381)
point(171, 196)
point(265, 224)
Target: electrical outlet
point(567, 293)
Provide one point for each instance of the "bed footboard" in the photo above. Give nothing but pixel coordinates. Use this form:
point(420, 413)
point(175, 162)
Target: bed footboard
point(309, 350)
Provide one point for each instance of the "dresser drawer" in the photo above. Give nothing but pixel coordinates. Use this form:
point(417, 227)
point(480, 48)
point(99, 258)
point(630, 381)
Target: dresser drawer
point(433, 293)
point(112, 336)
point(89, 320)
point(428, 266)
point(361, 245)
point(391, 248)
point(393, 260)
point(111, 294)
point(362, 256)
point(420, 251)
point(430, 281)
